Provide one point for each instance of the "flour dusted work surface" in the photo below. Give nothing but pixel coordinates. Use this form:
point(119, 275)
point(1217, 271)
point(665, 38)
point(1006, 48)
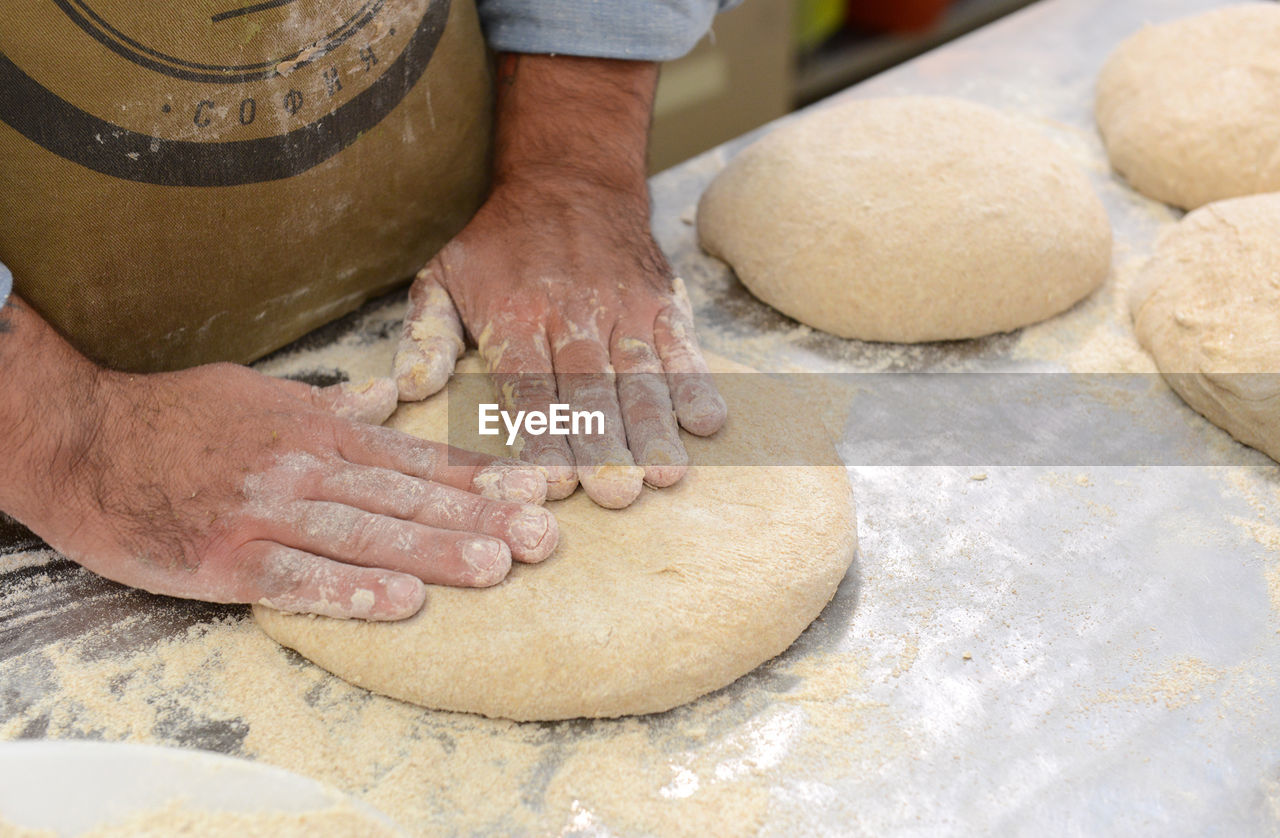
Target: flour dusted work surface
point(1190, 111)
point(638, 610)
point(909, 219)
point(1207, 306)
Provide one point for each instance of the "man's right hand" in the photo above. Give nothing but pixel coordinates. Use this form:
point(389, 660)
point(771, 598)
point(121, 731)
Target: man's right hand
point(221, 484)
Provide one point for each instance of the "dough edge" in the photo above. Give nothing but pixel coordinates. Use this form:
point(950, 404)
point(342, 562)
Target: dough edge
point(830, 258)
point(574, 670)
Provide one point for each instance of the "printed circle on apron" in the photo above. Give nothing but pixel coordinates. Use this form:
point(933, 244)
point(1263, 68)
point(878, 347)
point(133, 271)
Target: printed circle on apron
point(248, 91)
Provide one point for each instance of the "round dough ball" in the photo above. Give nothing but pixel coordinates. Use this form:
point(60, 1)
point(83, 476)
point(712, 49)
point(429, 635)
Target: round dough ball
point(1207, 306)
point(908, 219)
point(638, 610)
point(1190, 110)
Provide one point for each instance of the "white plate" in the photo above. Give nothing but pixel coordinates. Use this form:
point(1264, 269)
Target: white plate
point(72, 786)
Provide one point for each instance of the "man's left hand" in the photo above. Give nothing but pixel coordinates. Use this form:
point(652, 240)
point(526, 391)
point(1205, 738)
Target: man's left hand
point(559, 282)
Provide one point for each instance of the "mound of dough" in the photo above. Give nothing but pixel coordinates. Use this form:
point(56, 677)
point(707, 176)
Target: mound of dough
point(638, 610)
point(1190, 110)
point(1207, 306)
point(908, 219)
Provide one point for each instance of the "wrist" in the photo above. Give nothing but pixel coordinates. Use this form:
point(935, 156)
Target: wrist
point(583, 121)
point(577, 220)
point(50, 414)
point(542, 191)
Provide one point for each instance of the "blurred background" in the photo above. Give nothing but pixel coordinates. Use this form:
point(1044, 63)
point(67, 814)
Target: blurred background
point(768, 57)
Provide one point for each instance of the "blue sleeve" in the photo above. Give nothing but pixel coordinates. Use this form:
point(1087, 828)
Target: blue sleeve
point(640, 30)
point(6, 284)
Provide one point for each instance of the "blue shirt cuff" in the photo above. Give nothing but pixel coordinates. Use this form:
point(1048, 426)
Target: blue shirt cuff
point(6, 284)
point(639, 30)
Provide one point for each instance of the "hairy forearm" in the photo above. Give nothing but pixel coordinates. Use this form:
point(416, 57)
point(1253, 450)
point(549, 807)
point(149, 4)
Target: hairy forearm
point(568, 118)
point(47, 404)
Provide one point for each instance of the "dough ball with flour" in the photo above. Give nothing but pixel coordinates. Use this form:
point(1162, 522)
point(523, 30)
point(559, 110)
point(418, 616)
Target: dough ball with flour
point(1207, 306)
point(1190, 110)
point(908, 219)
point(638, 610)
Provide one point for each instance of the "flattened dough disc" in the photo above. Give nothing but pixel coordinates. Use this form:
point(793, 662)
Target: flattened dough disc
point(638, 610)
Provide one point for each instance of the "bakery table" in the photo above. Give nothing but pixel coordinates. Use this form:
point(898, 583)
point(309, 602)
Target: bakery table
point(1087, 647)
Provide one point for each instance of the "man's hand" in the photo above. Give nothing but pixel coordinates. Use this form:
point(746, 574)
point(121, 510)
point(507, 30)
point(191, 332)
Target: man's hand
point(560, 284)
point(221, 484)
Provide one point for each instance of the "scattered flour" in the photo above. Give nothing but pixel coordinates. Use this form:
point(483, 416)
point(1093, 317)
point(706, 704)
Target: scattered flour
point(709, 768)
point(1175, 686)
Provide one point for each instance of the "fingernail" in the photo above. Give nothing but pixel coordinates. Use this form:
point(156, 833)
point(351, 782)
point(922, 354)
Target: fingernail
point(372, 401)
point(664, 464)
point(706, 406)
point(487, 558)
point(704, 415)
point(660, 452)
point(405, 594)
point(613, 486)
point(553, 459)
point(526, 485)
point(535, 530)
point(512, 481)
point(418, 376)
point(403, 588)
point(562, 477)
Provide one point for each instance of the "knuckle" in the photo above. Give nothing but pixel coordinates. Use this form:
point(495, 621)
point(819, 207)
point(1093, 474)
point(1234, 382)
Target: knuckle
point(528, 388)
point(689, 391)
point(490, 516)
point(317, 526)
point(581, 355)
point(306, 483)
point(537, 448)
point(427, 275)
point(634, 353)
point(319, 428)
point(643, 389)
point(368, 533)
point(410, 493)
point(266, 574)
point(592, 389)
point(424, 458)
point(376, 440)
point(466, 512)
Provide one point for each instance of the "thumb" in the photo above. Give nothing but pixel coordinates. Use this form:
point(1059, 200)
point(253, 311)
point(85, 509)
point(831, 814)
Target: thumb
point(371, 402)
point(431, 341)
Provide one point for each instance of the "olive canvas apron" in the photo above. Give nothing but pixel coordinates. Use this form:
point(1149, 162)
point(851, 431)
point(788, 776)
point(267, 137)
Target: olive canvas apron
point(203, 180)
